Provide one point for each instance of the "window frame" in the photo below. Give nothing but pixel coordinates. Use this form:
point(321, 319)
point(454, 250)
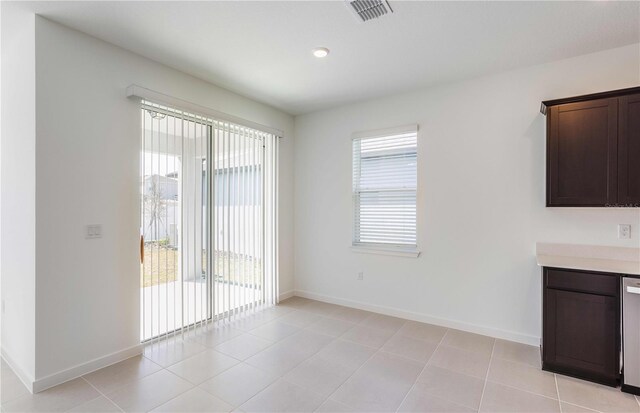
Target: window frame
point(410, 251)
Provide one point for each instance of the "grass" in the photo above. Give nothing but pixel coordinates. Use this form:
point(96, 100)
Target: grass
point(161, 265)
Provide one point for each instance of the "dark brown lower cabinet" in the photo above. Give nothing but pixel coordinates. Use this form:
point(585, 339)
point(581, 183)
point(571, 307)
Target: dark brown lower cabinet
point(581, 324)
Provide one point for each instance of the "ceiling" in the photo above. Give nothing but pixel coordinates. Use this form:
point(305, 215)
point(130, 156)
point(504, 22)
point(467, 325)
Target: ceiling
point(263, 49)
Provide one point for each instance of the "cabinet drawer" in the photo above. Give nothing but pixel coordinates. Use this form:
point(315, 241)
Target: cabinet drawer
point(583, 281)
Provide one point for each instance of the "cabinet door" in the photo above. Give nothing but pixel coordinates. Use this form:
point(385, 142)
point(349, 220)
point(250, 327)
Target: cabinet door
point(582, 153)
point(629, 151)
point(581, 335)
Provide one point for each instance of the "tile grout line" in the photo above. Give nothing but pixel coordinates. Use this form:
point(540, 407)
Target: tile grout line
point(272, 344)
point(242, 331)
point(365, 362)
point(206, 348)
point(555, 379)
point(197, 386)
point(175, 397)
point(579, 405)
point(558, 399)
point(514, 387)
point(281, 377)
point(236, 407)
point(178, 395)
point(355, 324)
point(491, 381)
point(12, 399)
point(347, 341)
point(164, 342)
point(486, 377)
point(423, 369)
point(300, 330)
point(523, 390)
point(582, 407)
point(101, 393)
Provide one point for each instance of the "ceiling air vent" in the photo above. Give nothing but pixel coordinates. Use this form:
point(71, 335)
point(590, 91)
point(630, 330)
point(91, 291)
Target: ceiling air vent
point(369, 9)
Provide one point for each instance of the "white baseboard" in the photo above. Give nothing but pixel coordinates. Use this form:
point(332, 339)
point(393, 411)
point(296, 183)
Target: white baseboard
point(25, 378)
point(85, 368)
point(286, 294)
point(425, 318)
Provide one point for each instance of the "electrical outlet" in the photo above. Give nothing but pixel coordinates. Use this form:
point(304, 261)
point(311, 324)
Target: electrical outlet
point(360, 276)
point(93, 231)
point(624, 231)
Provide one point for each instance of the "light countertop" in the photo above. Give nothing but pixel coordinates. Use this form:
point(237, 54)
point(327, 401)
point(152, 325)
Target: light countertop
point(621, 260)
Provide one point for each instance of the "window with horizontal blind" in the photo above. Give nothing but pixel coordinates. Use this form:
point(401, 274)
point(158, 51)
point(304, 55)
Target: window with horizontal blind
point(384, 188)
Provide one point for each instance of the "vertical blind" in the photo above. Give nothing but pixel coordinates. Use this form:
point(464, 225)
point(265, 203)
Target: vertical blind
point(244, 216)
point(384, 189)
point(208, 220)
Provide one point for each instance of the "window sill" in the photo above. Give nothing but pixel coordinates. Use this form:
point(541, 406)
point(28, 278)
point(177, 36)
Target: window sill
point(385, 251)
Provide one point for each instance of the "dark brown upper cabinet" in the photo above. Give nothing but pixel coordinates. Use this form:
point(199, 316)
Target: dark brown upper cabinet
point(593, 150)
point(629, 150)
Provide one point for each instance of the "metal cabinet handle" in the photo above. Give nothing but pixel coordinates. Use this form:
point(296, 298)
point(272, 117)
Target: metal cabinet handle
point(141, 249)
point(633, 290)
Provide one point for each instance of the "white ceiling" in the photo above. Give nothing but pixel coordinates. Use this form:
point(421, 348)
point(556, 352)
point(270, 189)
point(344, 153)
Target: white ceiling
point(263, 49)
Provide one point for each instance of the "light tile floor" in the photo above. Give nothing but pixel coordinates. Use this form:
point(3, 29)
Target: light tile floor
point(305, 356)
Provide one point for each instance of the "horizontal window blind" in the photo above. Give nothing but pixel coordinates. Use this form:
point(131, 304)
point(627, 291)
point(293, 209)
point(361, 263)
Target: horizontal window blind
point(384, 190)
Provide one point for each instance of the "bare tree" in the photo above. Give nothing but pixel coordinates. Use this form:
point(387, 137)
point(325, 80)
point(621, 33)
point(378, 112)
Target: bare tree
point(154, 205)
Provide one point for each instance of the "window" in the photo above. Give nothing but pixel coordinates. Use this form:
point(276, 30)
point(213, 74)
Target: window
point(384, 189)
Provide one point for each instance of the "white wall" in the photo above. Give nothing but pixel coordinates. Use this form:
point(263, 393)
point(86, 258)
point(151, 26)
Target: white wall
point(88, 139)
point(481, 198)
point(18, 177)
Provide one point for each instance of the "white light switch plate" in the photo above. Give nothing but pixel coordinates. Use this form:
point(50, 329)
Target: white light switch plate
point(624, 231)
point(93, 231)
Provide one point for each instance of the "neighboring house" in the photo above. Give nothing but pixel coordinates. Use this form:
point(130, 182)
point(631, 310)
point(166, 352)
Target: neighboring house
point(166, 186)
point(162, 207)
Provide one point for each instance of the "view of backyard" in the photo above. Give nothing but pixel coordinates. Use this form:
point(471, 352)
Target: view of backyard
point(161, 265)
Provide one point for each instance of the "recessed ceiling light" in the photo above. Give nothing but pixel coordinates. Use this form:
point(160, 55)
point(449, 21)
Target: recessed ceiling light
point(320, 52)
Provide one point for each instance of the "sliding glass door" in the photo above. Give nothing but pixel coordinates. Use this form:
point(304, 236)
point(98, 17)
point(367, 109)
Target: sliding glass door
point(173, 221)
point(243, 218)
point(208, 220)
